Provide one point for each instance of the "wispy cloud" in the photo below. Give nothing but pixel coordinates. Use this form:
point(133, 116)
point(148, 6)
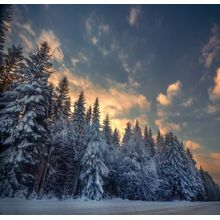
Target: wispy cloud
point(31, 38)
point(26, 34)
point(172, 90)
point(187, 103)
point(211, 49)
point(96, 30)
point(26, 41)
point(134, 15)
point(192, 145)
point(212, 109)
point(79, 58)
point(164, 113)
point(214, 93)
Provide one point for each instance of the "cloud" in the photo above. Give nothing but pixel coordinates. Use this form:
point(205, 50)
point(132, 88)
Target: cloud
point(211, 50)
point(117, 99)
point(192, 145)
point(26, 41)
point(212, 109)
point(210, 163)
point(25, 27)
point(172, 91)
point(54, 44)
point(80, 58)
point(134, 15)
point(96, 32)
point(214, 93)
point(26, 34)
point(29, 29)
point(29, 38)
point(104, 28)
point(187, 103)
point(74, 61)
point(163, 122)
point(166, 126)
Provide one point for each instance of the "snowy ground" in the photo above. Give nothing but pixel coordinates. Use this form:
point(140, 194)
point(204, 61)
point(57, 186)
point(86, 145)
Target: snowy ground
point(115, 206)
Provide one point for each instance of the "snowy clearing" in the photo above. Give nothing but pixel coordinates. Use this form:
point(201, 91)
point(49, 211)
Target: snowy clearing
point(115, 206)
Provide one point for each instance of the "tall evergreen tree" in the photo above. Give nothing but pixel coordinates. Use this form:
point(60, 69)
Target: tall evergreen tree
point(78, 143)
point(194, 176)
point(212, 191)
point(150, 145)
point(107, 131)
point(116, 138)
point(60, 159)
point(138, 172)
point(10, 108)
point(127, 135)
point(177, 170)
point(159, 143)
point(94, 169)
point(6, 12)
point(63, 98)
point(29, 140)
point(96, 118)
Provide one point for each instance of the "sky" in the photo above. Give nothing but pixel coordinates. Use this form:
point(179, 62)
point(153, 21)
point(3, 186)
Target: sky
point(159, 64)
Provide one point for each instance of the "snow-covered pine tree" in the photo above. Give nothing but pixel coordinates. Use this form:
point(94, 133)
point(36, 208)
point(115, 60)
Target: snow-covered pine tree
point(6, 12)
point(110, 156)
point(94, 169)
point(176, 171)
point(77, 138)
point(63, 98)
point(116, 138)
point(107, 131)
point(12, 106)
point(131, 164)
point(159, 143)
point(52, 114)
point(88, 126)
point(149, 143)
point(145, 134)
point(60, 158)
point(127, 135)
point(29, 141)
point(12, 58)
point(113, 166)
point(96, 118)
point(194, 176)
point(212, 191)
point(9, 107)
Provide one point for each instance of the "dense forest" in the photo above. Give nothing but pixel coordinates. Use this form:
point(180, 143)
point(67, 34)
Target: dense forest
point(53, 148)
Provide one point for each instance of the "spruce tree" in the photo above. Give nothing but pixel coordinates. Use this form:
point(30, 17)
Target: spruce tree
point(94, 170)
point(127, 135)
point(96, 118)
point(10, 108)
point(150, 145)
point(211, 189)
point(107, 131)
point(63, 98)
point(60, 159)
point(78, 143)
point(6, 12)
point(29, 140)
point(178, 171)
point(116, 138)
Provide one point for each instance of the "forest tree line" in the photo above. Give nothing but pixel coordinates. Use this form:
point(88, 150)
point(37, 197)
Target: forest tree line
point(47, 150)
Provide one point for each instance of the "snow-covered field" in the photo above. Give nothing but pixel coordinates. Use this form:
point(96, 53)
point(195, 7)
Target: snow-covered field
point(115, 206)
